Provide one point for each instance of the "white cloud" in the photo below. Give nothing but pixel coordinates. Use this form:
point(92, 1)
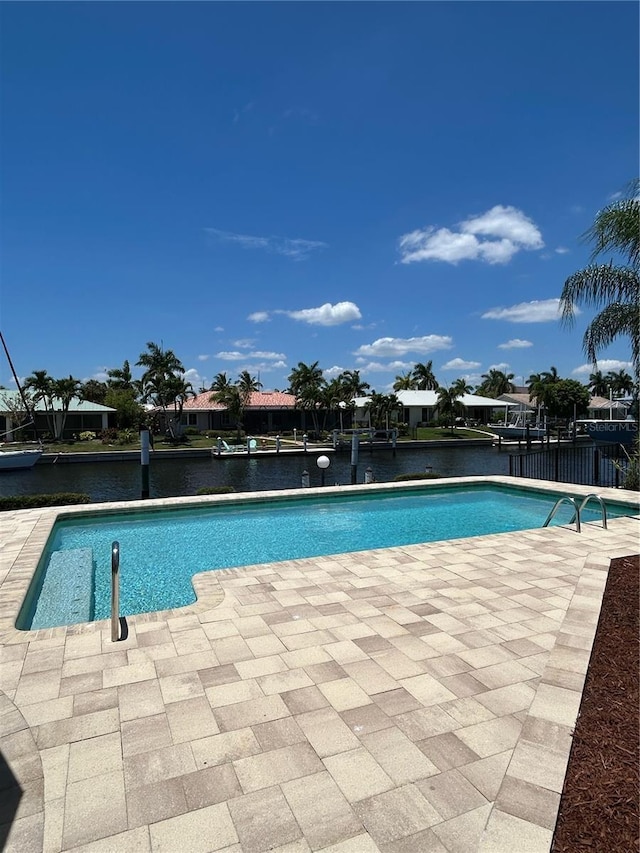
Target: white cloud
point(236, 355)
point(509, 227)
point(537, 311)
point(604, 365)
point(230, 356)
point(460, 364)
point(503, 365)
point(203, 357)
point(219, 329)
point(244, 343)
point(270, 356)
point(562, 250)
point(515, 343)
point(297, 249)
point(507, 223)
point(261, 367)
point(332, 372)
point(327, 314)
point(365, 366)
point(401, 346)
point(259, 317)
point(195, 378)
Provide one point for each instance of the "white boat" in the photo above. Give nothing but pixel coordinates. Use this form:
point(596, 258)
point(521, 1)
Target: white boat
point(610, 431)
point(518, 427)
point(10, 460)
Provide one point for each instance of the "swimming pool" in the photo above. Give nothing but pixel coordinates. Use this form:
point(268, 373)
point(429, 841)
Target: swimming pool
point(161, 550)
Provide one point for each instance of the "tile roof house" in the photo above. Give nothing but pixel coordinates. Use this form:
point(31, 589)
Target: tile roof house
point(266, 411)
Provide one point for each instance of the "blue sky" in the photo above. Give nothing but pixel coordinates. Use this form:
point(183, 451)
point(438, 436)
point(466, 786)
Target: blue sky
point(366, 185)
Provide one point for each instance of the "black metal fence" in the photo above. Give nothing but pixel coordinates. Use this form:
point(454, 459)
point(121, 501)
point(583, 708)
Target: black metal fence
point(591, 465)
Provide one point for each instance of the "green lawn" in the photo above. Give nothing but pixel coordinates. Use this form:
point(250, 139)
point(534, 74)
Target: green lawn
point(201, 441)
point(435, 433)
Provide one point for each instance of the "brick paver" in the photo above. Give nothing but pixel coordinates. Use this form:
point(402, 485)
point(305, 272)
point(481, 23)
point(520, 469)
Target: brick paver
point(412, 699)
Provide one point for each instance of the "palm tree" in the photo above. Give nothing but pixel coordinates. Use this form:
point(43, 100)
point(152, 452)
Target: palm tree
point(304, 377)
point(551, 375)
point(462, 387)
point(352, 385)
point(599, 384)
point(180, 390)
point(380, 408)
point(230, 397)
point(406, 382)
point(449, 406)
point(220, 382)
point(158, 383)
point(56, 396)
point(247, 384)
point(620, 381)
point(64, 390)
point(496, 383)
point(611, 288)
point(41, 386)
point(424, 376)
point(307, 384)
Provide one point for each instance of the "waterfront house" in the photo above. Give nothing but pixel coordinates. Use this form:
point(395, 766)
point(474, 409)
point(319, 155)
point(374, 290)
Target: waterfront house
point(265, 412)
point(419, 408)
point(82, 416)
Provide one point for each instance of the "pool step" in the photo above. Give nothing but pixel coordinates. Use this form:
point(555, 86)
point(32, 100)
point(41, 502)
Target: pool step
point(67, 590)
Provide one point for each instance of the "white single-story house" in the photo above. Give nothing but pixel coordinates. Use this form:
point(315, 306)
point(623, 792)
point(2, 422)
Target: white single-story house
point(418, 408)
point(82, 416)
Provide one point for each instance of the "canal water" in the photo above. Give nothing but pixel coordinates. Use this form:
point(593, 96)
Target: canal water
point(114, 481)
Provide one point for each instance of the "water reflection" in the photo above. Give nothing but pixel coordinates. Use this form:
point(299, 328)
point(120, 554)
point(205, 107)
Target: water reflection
point(109, 481)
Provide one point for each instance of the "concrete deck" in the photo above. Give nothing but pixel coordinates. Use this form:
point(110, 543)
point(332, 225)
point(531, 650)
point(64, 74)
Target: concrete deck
point(416, 699)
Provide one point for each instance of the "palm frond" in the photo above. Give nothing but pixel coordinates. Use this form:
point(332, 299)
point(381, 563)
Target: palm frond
point(598, 285)
point(614, 320)
point(617, 227)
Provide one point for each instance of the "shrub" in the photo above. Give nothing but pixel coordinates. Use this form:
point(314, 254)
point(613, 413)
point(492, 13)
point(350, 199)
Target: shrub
point(126, 436)
point(192, 431)
point(87, 435)
point(34, 501)
point(419, 475)
point(109, 436)
point(215, 490)
point(631, 472)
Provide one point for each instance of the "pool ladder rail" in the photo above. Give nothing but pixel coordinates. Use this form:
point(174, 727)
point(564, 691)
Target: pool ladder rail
point(115, 592)
point(576, 517)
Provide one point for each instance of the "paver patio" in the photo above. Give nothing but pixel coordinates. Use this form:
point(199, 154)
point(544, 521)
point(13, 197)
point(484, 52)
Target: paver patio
point(405, 700)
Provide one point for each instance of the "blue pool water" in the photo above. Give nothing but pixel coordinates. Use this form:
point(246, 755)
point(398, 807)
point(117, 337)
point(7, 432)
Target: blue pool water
point(161, 550)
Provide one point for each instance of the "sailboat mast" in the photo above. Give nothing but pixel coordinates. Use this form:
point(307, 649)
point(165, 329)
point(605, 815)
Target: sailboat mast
point(16, 380)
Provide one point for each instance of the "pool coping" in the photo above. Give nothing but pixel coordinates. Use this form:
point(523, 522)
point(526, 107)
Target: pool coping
point(547, 724)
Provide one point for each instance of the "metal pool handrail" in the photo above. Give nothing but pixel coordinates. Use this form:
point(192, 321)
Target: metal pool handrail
point(115, 592)
point(556, 506)
point(602, 507)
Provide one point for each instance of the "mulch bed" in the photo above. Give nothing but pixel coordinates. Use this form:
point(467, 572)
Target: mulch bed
point(599, 804)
